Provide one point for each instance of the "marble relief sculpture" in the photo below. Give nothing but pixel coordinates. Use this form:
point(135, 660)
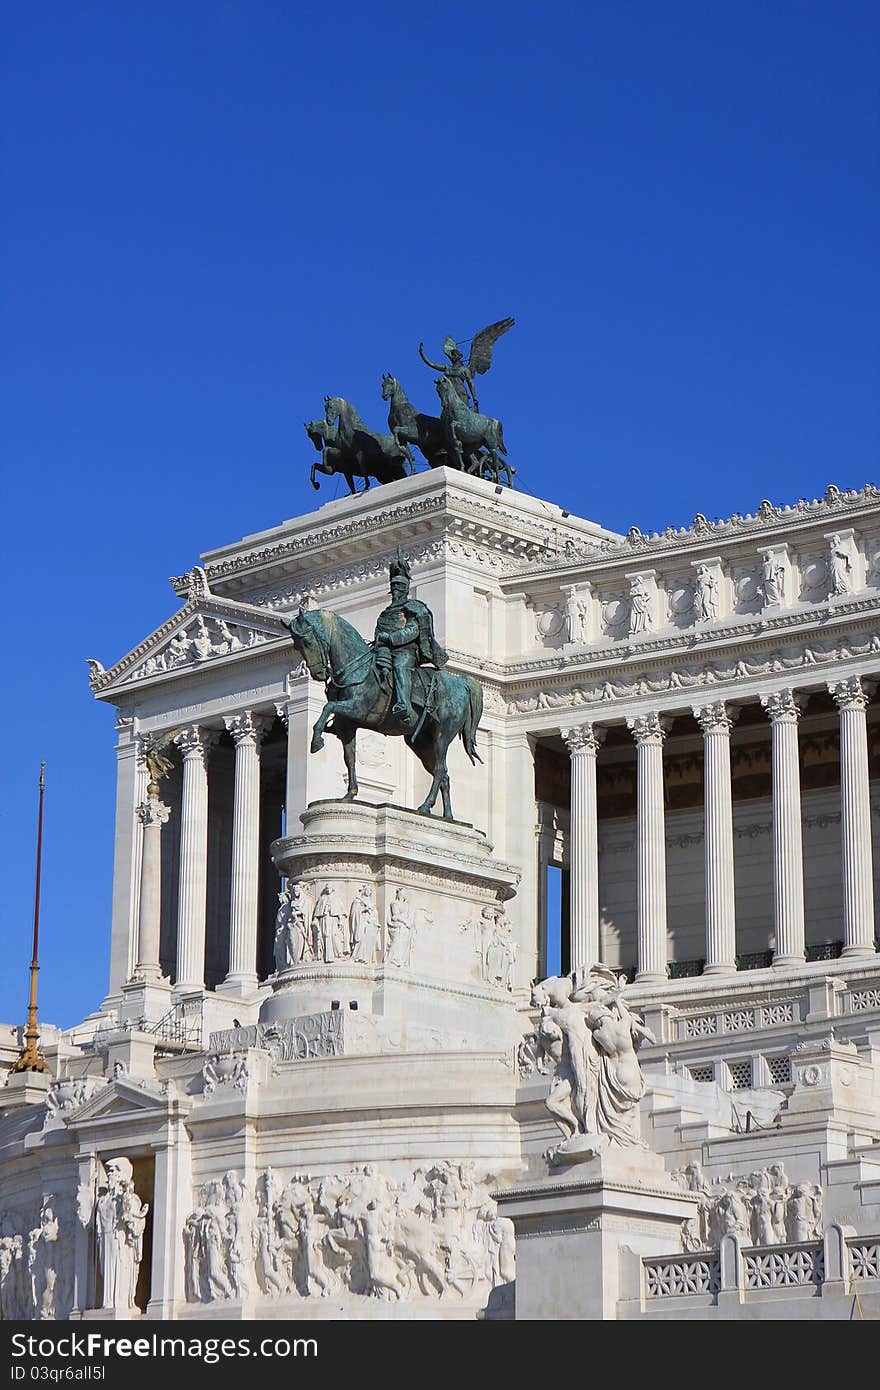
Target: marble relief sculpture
point(761, 1209)
point(639, 606)
point(401, 927)
point(705, 595)
point(840, 566)
point(293, 943)
point(120, 1218)
point(772, 579)
point(494, 944)
point(363, 926)
point(328, 929)
point(432, 1232)
point(588, 1039)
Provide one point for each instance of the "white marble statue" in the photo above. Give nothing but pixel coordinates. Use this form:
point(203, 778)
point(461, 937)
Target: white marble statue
point(401, 925)
point(363, 926)
point(120, 1218)
point(589, 1039)
point(840, 566)
point(293, 945)
point(328, 930)
point(639, 606)
point(43, 1262)
point(498, 948)
point(772, 579)
point(705, 595)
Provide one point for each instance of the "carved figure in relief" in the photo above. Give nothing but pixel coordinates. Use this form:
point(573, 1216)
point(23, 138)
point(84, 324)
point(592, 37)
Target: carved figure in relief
point(202, 646)
point(120, 1218)
point(639, 606)
point(43, 1262)
point(328, 936)
point(705, 595)
point(363, 926)
point(501, 954)
point(401, 927)
point(840, 566)
point(436, 1231)
point(804, 1212)
point(763, 1209)
point(772, 579)
point(284, 945)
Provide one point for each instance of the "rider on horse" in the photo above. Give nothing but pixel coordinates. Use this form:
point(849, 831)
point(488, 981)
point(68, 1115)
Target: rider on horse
point(405, 639)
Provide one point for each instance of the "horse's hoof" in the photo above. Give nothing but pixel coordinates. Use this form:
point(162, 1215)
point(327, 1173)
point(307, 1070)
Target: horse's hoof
point(316, 486)
point(317, 744)
point(424, 810)
point(351, 796)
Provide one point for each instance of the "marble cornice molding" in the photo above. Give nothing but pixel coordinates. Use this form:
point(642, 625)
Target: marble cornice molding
point(447, 514)
point(766, 524)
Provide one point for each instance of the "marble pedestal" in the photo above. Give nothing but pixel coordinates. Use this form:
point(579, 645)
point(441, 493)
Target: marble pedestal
point(573, 1226)
point(449, 874)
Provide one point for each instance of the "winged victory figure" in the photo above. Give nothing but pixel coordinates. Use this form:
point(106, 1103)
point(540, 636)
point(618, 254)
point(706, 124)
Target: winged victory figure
point(462, 373)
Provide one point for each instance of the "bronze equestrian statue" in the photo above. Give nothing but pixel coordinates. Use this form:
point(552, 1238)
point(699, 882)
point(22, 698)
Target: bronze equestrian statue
point(395, 685)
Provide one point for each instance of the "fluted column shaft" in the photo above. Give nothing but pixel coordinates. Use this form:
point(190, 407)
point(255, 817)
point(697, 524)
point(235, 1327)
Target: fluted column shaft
point(788, 848)
point(716, 725)
point(247, 730)
point(855, 819)
point(152, 814)
point(194, 743)
point(583, 744)
point(649, 732)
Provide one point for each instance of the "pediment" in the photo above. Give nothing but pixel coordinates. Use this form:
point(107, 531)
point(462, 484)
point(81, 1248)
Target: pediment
point(205, 630)
point(121, 1097)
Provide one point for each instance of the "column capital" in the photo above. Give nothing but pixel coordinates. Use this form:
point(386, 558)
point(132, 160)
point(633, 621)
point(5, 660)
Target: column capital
point(583, 738)
point(648, 729)
point(715, 718)
point(247, 727)
point(849, 693)
point(781, 707)
point(196, 742)
point(153, 812)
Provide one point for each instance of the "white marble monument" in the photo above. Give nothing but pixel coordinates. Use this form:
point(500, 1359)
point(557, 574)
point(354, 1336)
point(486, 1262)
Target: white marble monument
point(680, 753)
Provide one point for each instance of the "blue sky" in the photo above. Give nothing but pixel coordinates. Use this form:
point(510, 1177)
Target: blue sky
point(215, 213)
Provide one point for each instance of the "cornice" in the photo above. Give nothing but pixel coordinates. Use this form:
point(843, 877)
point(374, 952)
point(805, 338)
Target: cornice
point(767, 523)
point(460, 516)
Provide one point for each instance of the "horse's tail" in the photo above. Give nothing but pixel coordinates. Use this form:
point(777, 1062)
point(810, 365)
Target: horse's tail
point(502, 447)
point(472, 718)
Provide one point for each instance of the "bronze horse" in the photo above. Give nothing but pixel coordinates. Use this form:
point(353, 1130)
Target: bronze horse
point(348, 447)
point(360, 696)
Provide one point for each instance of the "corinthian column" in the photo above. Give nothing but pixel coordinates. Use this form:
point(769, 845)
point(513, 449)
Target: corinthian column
point(247, 730)
point(855, 819)
point(716, 725)
point(152, 814)
point(649, 732)
point(195, 744)
point(583, 745)
point(788, 849)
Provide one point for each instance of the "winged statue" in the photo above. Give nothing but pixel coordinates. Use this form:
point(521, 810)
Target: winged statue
point(460, 373)
point(158, 766)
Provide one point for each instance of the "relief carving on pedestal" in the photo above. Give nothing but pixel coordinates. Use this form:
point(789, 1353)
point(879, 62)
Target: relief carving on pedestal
point(763, 1208)
point(494, 945)
point(359, 1233)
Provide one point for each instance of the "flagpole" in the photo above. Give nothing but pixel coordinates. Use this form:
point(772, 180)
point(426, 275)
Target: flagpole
point(31, 1058)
